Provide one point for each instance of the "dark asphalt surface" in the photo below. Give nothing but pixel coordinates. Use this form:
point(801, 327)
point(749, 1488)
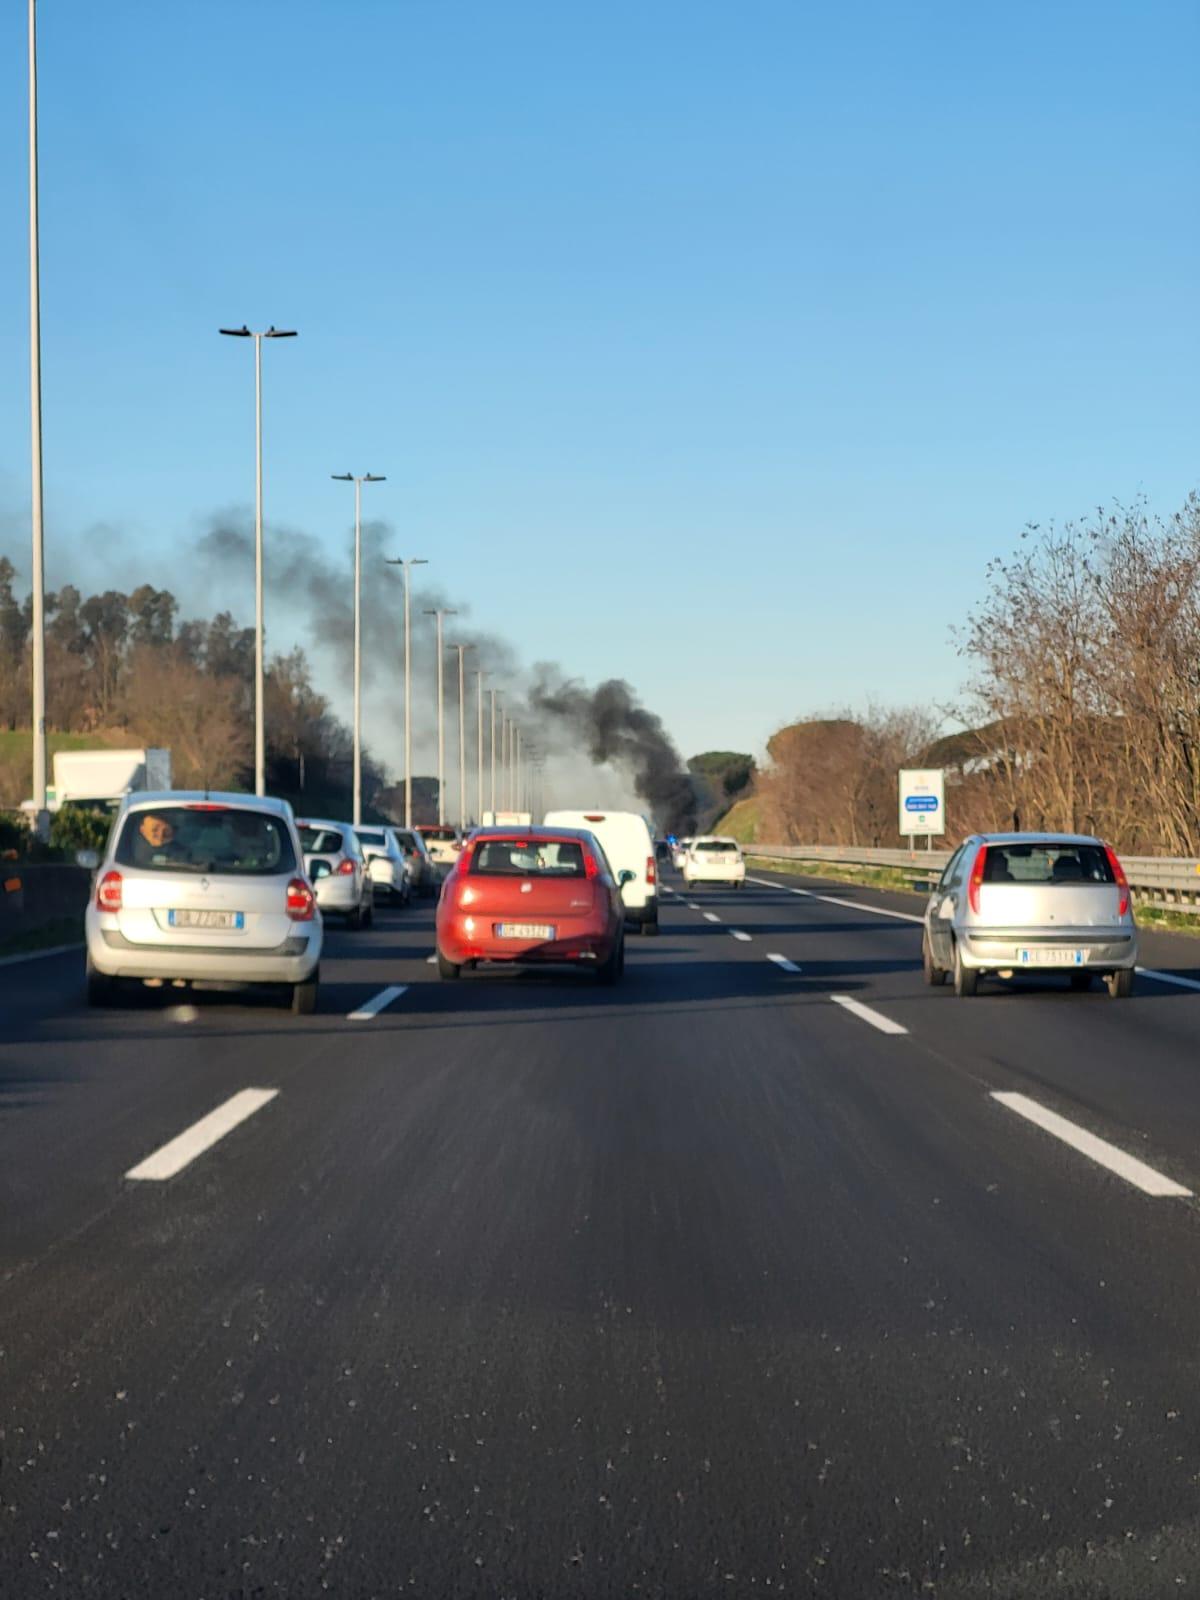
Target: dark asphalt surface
point(702, 1285)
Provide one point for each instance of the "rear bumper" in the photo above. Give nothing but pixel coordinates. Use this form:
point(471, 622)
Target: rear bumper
point(112, 954)
point(715, 875)
point(1104, 950)
point(586, 946)
point(339, 895)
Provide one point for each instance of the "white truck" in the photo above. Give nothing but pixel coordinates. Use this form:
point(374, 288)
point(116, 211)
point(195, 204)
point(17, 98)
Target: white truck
point(507, 819)
point(105, 777)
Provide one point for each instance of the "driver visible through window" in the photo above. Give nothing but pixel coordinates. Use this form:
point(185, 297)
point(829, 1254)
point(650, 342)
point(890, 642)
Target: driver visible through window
point(216, 839)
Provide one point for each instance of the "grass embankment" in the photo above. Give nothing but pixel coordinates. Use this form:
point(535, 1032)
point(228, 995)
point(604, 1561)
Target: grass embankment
point(63, 930)
point(900, 882)
point(740, 822)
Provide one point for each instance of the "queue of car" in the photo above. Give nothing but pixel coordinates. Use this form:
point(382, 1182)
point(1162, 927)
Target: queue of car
point(231, 890)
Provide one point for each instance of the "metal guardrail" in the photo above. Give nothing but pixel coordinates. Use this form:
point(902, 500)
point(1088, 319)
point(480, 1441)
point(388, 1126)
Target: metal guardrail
point(1170, 882)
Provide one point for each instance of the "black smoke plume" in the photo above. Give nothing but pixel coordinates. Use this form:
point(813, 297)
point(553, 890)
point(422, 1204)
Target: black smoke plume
point(617, 731)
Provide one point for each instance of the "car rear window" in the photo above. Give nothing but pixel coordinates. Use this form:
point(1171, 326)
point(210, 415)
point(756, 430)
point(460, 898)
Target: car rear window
point(440, 833)
point(319, 841)
point(213, 839)
point(717, 845)
point(370, 836)
point(528, 858)
point(1045, 862)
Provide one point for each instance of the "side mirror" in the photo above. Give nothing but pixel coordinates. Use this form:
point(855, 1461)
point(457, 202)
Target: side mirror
point(624, 877)
point(319, 869)
point(89, 859)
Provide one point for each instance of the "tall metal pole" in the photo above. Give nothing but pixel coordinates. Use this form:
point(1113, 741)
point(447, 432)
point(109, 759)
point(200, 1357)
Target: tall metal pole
point(407, 565)
point(260, 738)
point(357, 815)
point(517, 806)
point(38, 576)
point(462, 735)
point(441, 712)
point(479, 717)
point(494, 693)
point(348, 477)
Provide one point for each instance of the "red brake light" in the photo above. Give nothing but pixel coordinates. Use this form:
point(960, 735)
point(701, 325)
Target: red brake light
point(651, 870)
point(108, 892)
point(205, 805)
point(345, 867)
point(1118, 872)
point(591, 866)
point(300, 901)
point(593, 819)
point(977, 877)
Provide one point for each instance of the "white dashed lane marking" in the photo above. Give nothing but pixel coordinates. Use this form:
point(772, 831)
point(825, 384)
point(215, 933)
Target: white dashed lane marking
point(738, 934)
point(835, 900)
point(711, 916)
point(194, 1141)
point(1088, 1144)
point(1168, 977)
point(875, 1018)
point(377, 1003)
point(784, 963)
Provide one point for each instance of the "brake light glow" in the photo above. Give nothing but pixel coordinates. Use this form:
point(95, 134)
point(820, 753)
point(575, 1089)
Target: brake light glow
point(1118, 872)
point(593, 819)
point(108, 892)
point(651, 870)
point(205, 805)
point(977, 877)
point(591, 866)
point(345, 867)
point(301, 902)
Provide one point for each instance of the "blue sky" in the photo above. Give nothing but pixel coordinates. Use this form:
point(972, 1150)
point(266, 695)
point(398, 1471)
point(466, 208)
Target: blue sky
point(712, 346)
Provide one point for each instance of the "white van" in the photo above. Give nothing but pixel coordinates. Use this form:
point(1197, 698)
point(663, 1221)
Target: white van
point(628, 843)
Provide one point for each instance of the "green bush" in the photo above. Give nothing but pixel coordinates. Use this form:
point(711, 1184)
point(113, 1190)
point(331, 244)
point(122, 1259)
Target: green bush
point(14, 835)
point(79, 828)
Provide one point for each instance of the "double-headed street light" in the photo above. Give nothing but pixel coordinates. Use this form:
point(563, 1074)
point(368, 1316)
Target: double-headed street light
point(348, 477)
point(260, 745)
point(408, 803)
point(441, 710)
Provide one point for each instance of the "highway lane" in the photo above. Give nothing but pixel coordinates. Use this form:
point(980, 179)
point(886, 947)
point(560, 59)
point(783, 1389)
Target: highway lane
point(526, 1287)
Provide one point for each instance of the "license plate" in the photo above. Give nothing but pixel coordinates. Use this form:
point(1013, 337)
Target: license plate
point(206, 919)
point(1048, 957)
point(524, 930)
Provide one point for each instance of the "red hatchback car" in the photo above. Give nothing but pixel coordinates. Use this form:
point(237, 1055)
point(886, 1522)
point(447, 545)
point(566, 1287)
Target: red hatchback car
point(532, 895)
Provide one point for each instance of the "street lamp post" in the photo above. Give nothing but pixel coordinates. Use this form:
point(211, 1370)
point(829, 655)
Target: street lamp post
point(494, 693)
point(37, 567)
point(479, 718)
point(408, 803)
point(348, 477)
point(462, 735)
point(260, 742)
point(441, 711)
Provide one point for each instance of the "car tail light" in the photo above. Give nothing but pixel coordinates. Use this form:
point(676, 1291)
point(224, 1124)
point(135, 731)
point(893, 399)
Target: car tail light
point(205, 805)
point(1118, 872)
point(345, 867)
point(591, 866)
point(651, 870)
point(300, 901)
point(977, 878)
point(108, 892)
point(593, 819)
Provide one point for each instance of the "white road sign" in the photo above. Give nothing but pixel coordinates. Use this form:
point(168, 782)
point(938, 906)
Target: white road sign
point(922, 801)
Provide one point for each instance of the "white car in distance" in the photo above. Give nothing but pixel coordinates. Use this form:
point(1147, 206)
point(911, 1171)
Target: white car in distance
point(333, 859)
point(385, 863)
point(714, 859)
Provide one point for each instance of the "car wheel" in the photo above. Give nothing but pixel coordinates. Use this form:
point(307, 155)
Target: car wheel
point(612, 969)
point(650, 929)
point(354, 919)
point(1119, 984)
point(1081, 981)
point(101, 989)
point(304, 995)
point(933, 974)
point(966, 979)
point(447, 969)
point(369, 914)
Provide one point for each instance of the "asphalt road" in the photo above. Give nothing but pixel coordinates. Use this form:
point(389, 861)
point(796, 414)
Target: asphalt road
point(519, 1286)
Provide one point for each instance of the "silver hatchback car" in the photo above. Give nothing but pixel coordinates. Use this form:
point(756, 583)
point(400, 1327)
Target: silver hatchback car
point(1011, 903)
point(196, 888)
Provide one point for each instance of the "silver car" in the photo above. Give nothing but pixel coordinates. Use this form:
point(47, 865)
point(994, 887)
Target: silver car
point(203, 888)
point(422, 874)
point(337, 869)
point(385, 863)
point(1010, 903)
